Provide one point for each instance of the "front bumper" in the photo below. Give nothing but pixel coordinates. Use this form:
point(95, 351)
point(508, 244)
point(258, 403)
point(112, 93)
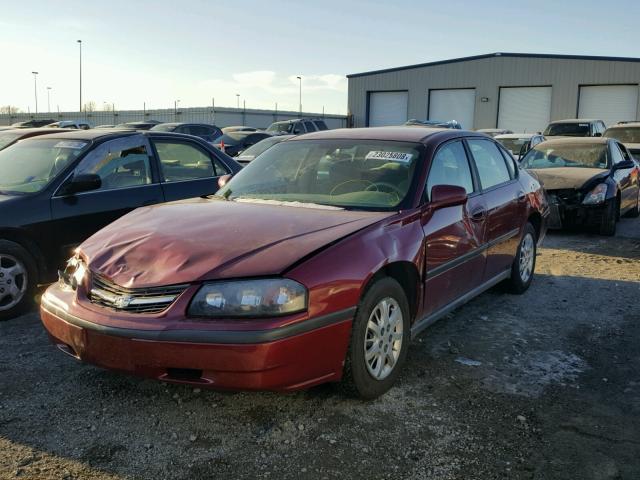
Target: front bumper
point(569, 215)
point(288, 358)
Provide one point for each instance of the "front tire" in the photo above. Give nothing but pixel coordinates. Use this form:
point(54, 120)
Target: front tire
point(524, 264)
point(609, 219)
point(18, 278)
point(379, 341)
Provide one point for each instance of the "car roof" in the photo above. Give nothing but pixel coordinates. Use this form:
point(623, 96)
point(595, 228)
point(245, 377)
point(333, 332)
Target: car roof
point(576, 141)
point(27, 132)
point(491, 129)
point(516, 135)
point(91, 134)
point(401, 134)
point(576, 120)
point(625, 125)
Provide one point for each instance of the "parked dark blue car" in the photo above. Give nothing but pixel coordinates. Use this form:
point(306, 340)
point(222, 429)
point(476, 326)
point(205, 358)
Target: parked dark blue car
point(57, 190)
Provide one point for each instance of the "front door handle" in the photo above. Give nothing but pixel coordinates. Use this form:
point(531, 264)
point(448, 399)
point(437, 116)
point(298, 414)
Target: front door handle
point(478, 214)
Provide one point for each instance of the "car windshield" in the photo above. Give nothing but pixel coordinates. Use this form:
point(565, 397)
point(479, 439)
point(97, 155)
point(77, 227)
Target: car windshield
point(261, 146)
point(29, 165)
point(513, 144)
point(567, 130)
point(585, 156)
point(369, 175)
point(7, 137)
point(624, 135)
point(279, 127)
point(164, 127)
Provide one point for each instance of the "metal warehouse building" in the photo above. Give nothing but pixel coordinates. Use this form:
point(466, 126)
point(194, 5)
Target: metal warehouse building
point(520, 92)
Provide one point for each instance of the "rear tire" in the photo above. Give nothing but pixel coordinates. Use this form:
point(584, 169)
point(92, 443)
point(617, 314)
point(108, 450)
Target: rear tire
point(609, 219)
point(18, 279)
point(379, 341)
point(524, 264)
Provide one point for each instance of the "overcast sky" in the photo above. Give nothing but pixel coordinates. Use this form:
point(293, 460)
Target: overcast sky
point(159, 51)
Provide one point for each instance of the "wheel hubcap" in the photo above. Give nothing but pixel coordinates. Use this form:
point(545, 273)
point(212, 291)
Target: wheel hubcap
point(527, 255)
point(383, 338)
point(13, 281)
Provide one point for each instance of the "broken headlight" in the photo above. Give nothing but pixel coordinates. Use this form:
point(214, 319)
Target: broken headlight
point(249, 298)
point(73, 274)
point(597, 195)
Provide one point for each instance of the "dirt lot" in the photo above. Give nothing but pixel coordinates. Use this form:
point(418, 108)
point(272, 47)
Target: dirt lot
point(541, 386)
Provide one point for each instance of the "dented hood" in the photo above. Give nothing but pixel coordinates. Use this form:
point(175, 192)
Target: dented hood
point(206, 239)
point(567, 177)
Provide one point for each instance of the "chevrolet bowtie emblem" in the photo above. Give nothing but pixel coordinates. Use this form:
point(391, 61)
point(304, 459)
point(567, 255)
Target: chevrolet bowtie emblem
point(122, 302)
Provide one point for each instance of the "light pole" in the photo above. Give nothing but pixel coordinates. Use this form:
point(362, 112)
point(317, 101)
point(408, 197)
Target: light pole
point(48, 100)
point(175, 108)
point(237, 100)
point(300, 97)
point(35, 88)
point(80, 45)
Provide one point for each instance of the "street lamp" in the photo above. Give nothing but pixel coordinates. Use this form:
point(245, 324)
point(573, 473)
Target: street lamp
point(48, 100)
point(300, 97)
point(80, 45)
point(238, 100)
point(175, 107)
point(35, 88)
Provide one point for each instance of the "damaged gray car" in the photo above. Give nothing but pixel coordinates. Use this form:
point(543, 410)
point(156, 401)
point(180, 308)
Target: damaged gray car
point(590, 182)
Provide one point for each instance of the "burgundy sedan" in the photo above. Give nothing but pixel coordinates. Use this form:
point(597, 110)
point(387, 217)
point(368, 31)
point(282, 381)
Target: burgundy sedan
point(316, 263)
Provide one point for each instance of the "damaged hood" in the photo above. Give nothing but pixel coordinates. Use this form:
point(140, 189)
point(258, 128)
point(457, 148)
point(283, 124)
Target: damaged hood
point(206, 239)
point(567, 177)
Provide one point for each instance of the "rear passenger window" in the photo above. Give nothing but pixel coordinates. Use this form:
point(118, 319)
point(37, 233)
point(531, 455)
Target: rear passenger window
point(320, 125)
point(490, 163)
point(309, 126)
point(298, 128)
point(180, 161)
point(450, 167)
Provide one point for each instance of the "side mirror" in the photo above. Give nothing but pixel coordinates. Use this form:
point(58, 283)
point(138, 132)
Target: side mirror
point(624, 165)
point(223, 180)
point(447, 196)
point(83, 182)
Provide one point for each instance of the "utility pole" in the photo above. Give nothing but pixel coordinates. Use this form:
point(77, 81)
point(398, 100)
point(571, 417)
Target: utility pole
point(80, 44)
point(300, 96)
point(35, 88)
point(238, 100)
point(213, 110)
point(48, 100)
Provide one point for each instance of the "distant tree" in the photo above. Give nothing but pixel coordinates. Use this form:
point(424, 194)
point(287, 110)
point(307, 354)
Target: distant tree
point(9, 109)
point(107, 107)
point(89, 106)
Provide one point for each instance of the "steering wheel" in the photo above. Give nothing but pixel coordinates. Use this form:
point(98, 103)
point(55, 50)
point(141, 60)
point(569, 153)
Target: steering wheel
point(331, 193)
point(385, 187)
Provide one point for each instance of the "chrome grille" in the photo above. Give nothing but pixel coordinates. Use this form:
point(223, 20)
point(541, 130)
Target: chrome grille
point(134, 300)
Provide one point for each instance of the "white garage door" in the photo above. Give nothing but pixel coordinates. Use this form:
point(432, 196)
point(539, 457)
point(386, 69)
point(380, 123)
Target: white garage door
point(610, 103)
point(524, 109)
point(387, 108)
point(458, 104)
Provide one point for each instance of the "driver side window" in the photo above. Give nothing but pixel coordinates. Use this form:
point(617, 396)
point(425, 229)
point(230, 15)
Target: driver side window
point(450, 166)
point(119, 163)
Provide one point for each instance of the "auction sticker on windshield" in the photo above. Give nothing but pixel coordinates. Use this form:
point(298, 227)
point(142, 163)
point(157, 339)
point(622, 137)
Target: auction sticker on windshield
point(393, 156)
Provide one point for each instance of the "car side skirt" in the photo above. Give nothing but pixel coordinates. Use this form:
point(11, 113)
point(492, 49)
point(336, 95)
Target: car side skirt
point(429, 320)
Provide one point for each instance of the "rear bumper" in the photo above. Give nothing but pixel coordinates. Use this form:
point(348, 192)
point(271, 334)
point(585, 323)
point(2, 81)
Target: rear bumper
point(225, 360)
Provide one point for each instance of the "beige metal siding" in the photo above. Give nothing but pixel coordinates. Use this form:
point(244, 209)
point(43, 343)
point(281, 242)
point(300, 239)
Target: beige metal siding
point(487, 75)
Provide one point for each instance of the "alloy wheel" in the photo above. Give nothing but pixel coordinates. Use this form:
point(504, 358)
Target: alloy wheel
point(13, 281)
point(383, 338)
point(527, 255)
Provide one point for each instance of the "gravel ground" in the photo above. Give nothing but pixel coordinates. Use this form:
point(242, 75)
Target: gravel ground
point(540, 386)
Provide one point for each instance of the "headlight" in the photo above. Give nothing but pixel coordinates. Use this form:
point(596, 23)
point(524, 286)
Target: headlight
point(597, 195)
point(73, 274)
point(249, 298)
